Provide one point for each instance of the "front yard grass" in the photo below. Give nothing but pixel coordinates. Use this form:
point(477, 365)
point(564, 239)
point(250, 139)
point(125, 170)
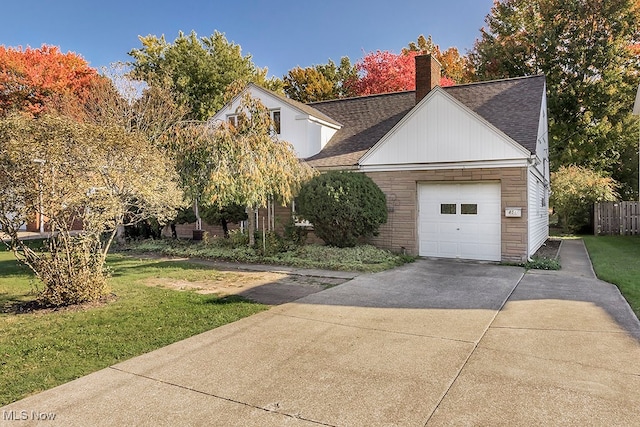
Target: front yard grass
point(616, 259)
point(44, 348)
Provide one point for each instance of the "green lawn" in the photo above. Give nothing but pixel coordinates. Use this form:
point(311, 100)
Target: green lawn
point(39, 350)
point(616, 259)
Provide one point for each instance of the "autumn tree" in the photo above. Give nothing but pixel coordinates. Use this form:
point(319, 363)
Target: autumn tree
point(150, 112)
point(307, 85)
point(384, 71)
point(575, 190)
point(249, 165)
point(320, 82)
point(67, 171)
point(197, 70)
point(455, 67)
point(585, 49)
point(42, 80)
point(117, 99)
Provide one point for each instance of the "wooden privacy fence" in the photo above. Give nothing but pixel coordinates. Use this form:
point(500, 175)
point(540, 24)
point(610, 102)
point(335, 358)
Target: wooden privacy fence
point(617, 218)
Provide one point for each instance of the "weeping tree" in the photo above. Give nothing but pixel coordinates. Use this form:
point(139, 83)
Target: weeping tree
point(194, 151)
point(100, 176)
point(247, 164)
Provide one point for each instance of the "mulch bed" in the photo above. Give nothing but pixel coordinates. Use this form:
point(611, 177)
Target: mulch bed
point(549, 249)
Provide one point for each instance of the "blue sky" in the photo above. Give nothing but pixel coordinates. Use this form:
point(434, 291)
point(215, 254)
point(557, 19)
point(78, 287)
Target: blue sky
point(279, 34)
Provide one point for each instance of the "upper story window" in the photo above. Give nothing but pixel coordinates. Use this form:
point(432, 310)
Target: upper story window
point(275, 116)
point(234, 120)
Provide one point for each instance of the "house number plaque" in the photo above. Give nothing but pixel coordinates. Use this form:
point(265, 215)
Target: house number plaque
point(513, 212)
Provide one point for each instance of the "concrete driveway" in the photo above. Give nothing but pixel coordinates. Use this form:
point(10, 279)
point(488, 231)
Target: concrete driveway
point(430, 343)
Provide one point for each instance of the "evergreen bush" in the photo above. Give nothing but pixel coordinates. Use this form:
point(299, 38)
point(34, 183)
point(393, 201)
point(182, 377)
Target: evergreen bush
point(342, 206)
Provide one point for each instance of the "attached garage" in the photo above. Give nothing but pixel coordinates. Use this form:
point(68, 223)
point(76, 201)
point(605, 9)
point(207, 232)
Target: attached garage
point(460, 220)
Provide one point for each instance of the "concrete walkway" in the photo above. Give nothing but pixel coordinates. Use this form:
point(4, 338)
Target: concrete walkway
point(430, 343)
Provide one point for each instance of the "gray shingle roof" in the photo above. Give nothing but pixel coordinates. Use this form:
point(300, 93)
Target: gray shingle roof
point(364, 121)
point(511, 105)
point(305, 108)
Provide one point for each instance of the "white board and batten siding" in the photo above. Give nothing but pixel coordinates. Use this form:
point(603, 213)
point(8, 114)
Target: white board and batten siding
point(440, 130)
point(460, 220)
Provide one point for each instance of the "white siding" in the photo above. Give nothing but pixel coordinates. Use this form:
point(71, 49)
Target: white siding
point(538, 218)
point(306, 134)
point(441, 130)
point(538, 186)
point(542, 148)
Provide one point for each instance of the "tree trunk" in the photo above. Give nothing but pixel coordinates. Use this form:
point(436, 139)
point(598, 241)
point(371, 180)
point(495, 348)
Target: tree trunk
point(225, 228)
point(196, 211)
point(120, 235)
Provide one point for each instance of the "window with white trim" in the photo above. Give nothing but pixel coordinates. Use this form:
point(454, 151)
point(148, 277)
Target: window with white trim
point(297, 221)
point(275, 116)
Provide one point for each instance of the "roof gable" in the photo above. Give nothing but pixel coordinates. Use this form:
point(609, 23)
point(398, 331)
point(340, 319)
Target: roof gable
point(511, 105)
point(440, 129)
point(365, 120)
point(298, 106)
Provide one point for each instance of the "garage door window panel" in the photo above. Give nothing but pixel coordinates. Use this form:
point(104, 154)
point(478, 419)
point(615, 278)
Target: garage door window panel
point(469, 209)
point(448, 208)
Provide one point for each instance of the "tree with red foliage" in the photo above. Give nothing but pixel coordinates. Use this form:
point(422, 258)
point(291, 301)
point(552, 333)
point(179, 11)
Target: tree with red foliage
point(384, 72)
point(41, 80)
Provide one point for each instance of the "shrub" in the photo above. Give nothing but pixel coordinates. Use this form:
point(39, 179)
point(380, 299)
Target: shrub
point(342, 206)
point(72, 271)
point(237, 239)
point(294, 236)
point(542, 263)
point(574, 191)
point(271, 244)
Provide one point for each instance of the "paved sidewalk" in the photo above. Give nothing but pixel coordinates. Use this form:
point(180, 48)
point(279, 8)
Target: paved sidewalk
point(430, 343)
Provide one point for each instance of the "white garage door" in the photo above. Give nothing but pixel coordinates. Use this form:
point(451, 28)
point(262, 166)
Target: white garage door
point(460, 220)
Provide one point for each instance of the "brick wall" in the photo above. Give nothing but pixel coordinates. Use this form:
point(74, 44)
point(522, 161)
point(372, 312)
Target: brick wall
point(401, 231)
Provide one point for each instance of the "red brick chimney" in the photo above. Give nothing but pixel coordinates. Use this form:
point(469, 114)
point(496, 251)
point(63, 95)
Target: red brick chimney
point(428, 74)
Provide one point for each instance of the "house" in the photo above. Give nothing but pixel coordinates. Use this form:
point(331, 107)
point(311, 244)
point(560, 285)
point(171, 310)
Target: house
point(465, 169)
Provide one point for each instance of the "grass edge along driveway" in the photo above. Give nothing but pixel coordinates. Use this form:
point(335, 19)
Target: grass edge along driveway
point(616, 259)
point(42, 349)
